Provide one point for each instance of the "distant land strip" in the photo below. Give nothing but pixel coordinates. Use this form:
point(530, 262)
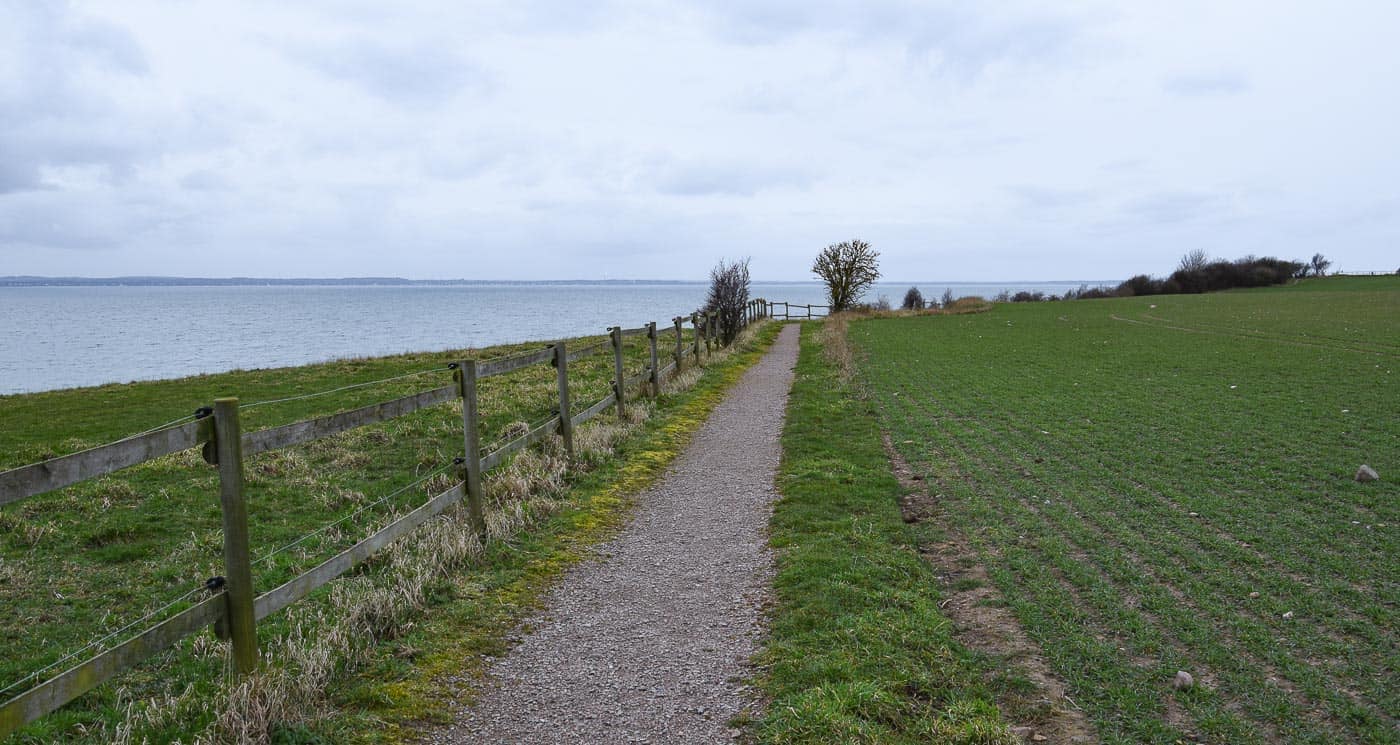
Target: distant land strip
point(32, 281)
point(153, 281)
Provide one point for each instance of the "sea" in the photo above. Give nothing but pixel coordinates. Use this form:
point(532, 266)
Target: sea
point(54, 337)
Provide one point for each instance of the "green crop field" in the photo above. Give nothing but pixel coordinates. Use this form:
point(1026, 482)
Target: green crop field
point(1166, 483)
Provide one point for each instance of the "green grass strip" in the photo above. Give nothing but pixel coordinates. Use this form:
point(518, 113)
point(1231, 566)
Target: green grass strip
point(858, 650)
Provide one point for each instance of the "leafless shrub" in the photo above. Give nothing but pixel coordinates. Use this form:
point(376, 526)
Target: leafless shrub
point(728, 296)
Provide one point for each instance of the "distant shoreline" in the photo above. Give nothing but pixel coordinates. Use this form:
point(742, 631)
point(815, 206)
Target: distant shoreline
point(145, 281)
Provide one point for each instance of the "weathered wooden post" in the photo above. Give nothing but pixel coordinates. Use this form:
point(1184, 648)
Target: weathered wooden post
point(695, 343)
point(471, 445)
point(680, 349)
point(616, 333)
point(655, 372)
point(238, 567)
point(566, 425)
point(713, 321)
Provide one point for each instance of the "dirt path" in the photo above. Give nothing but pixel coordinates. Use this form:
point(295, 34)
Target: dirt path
point(649, 642)
point(984, 623)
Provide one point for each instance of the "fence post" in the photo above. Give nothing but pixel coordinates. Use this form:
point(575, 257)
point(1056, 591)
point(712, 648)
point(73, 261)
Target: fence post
point(616, 333)
point(566, 425)
point(238, 568)
point(680, 350)
point(695, 343)
point(471, 445)
point(713, 320)
point(655, 373)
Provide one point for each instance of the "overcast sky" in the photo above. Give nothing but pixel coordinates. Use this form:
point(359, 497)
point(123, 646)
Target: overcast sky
point(534, 140)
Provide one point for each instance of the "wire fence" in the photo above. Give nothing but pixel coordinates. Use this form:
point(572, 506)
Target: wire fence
point(97, 644)
point(341, 389)
point(267, 557)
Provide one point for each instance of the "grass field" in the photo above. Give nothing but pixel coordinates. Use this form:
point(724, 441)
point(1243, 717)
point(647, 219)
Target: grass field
point(858, 650)
point(81, 563)
point(1165, 483)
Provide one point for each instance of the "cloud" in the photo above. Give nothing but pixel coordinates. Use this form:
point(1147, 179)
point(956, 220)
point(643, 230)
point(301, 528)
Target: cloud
point(726, 179)
point(57, 75)
point(1049, 198)
point(422, 73)
point(1174, 207)
point(15, 175)
point(203, 180)
point(1206, 84)
point(952, 37)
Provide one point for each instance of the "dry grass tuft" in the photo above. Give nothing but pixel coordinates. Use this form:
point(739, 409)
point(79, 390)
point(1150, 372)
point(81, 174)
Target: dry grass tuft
point(969, 304)
point(835, 347)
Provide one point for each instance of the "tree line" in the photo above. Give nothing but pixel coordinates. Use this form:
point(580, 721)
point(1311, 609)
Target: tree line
point(851, 267)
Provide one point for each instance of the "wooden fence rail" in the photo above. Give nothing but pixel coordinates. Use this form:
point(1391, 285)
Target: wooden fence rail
point(787, 311)
point(233, 608)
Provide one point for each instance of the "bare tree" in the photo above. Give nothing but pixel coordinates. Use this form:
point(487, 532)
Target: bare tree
point(728, 296)
point(948, 298)
point(1193, 260)
point(913, 299)
point(1319, 265)
point(848, 269)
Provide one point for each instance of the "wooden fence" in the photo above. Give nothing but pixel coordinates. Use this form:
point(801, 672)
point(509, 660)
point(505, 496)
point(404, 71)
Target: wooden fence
point(789, 311)
point(233, 607)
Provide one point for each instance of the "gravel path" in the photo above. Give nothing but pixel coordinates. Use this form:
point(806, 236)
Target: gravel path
point(649, 642)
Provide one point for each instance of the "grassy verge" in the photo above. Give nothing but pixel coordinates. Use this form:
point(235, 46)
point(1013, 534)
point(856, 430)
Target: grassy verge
point(1165, 483)
point(858, 651)
point(83, 562)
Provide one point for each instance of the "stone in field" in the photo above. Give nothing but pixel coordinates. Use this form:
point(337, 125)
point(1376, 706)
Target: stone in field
point(1366, 473)
point(1183, 680)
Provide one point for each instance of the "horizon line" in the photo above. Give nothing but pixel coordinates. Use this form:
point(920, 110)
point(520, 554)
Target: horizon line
point(373, 279)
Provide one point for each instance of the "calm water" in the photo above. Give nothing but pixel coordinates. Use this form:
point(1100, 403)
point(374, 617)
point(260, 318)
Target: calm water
point(63, 337)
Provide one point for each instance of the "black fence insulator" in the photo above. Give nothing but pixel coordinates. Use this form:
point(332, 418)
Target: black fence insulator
point(203, 411)
point(214, 583)
point(452, 366)
point(458, 461)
